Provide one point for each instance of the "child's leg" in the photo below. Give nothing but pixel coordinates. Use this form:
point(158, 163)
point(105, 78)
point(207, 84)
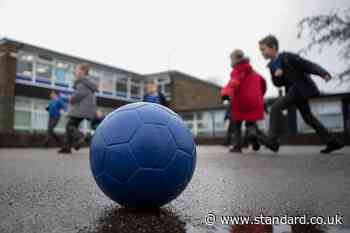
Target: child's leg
point(245, 139)
point(328, 138)
point(238, 134)
point(53, 124)
point(230, 130)
point(71, 131)
point(254, 134)
point(280, 104)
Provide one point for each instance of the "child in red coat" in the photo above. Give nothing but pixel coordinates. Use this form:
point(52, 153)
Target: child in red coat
point(246, 90)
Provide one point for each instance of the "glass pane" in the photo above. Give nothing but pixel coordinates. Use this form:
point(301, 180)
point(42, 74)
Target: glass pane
point(23, 102)
point(40, 104)
point(45, 58)
point(40, 120)
point(43, 70)
point(204, 134)
point(187, 116)
point(121, 87)
point(167, 89)
point(96, 73)
point(23, 119)
point(107, 85)
point(25, 65)
point(203, 125)
point(135, 91)
point(332, 121)
point(136, 80)
point(64, 73)
point(189, 125)
point(199, 116)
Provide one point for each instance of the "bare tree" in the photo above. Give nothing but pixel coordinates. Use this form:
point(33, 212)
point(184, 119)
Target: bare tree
point(328, 30)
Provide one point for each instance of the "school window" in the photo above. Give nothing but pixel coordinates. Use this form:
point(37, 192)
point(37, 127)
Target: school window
point(204, 122)
point(167, 89)
point(96, 76)
point(63, 73)
point(122, 85)
point(220, 126)
point(328, 112)
point(187, 117)
point(164, 85)
point(44, 67)
point(135, 92)
point(23, 117)
point(40, 120)
point(135, 88)
point(25, 66)
point(107, 84)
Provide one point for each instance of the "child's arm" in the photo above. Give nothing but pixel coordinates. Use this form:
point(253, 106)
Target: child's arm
point(308, 66)
point(231, 86)
point(63, 105)
point(263, 85)
point(79, 94)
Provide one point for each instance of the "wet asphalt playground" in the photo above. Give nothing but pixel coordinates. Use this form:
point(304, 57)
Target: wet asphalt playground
point(42, 191)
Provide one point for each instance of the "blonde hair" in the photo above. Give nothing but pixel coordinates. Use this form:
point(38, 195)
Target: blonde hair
point(238, 56)
point(85, 67)
point(151, 82)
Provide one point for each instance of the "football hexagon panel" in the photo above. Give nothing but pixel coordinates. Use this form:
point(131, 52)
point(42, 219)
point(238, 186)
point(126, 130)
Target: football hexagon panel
point(121, 156)
point(119, 127)
point(168, 110)
point(97, 154)
point(180, 169)
point(153, 146)
point(152, 114)
point(147, 188)
point(112, 188)
point(182, 135)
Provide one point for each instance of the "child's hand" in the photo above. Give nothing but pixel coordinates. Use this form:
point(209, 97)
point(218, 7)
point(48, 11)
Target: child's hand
point(327, 78)
point(226, 102)
point(279, 73)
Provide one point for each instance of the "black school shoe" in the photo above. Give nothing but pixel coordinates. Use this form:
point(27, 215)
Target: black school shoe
point(79, 143)
point(273, 144)
point(256, 145)
point(236, 149)
point(65, 151)
point(332, 146)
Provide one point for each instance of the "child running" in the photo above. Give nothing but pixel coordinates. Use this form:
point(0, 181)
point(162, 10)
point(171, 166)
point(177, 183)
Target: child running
point(291, 71)
point(82, 106)
point(246, 90)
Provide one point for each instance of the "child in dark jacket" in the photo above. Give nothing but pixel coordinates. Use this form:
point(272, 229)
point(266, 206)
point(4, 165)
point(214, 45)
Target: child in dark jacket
point(55, 108)
point(293, 72)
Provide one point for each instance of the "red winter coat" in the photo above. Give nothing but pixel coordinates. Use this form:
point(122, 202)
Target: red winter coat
point(246, 90)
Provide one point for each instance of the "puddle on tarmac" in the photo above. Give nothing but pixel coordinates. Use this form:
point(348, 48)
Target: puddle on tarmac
point(165, 220)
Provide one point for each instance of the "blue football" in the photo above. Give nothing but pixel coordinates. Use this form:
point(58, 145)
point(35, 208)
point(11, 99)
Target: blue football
point(142, 155)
